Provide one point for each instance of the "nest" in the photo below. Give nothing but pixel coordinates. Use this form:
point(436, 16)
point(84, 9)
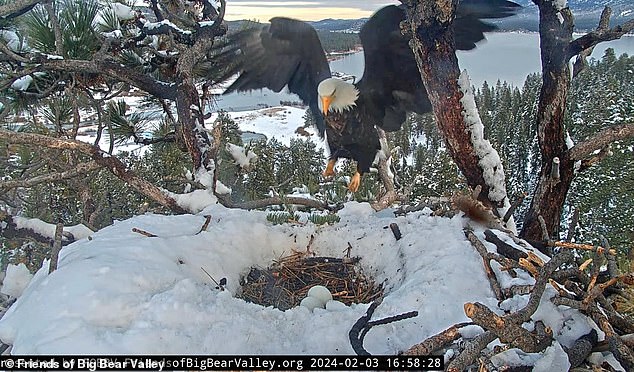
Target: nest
point(285, 283)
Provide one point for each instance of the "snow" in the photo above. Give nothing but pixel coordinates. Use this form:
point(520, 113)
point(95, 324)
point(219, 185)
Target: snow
point(23, 83)
point(121, 292)
point(554, 359)
point(600, 358)
point(11, 39)
point(16, 279)
point(241, 156)
point(48, 230)
point(560, 4)
point(165, 22)
point(279, 122)
point(490, 162)
point(194, 201)
point(116, 34)
point(123, 12)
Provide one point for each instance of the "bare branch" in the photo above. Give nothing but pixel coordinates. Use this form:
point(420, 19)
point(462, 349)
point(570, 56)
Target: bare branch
point(57, 246)
point(601, 139)
point(591, 39)
point(581, 62)
point(57, 30)
point(114, 70)
point(9, 229)
point(79, 170)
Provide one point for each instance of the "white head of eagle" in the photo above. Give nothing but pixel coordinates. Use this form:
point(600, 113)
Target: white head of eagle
point(336, 95)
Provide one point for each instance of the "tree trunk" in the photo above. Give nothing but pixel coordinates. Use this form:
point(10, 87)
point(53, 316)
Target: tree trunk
point(429, 23)
point(557, 168)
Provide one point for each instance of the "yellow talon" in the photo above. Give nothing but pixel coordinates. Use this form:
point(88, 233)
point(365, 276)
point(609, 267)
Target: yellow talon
point(330, 168)
point(355, 182)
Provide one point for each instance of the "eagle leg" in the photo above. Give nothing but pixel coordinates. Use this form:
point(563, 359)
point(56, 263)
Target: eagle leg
point(330, 168)
point(355, 182)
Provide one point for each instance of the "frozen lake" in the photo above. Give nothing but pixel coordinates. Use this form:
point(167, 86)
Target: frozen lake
point(507, 56)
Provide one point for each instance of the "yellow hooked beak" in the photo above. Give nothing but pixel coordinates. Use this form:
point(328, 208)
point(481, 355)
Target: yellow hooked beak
point(325, 104)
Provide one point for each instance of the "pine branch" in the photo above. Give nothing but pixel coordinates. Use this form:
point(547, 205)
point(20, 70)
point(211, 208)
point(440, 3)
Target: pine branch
point(78, 170)
point(103, 159)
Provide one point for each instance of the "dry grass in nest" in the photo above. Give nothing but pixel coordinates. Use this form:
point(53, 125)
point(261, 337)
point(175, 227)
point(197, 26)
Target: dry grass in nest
point(285, 283)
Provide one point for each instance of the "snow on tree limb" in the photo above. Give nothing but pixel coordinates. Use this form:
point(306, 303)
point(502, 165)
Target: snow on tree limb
point(242, 157)
point(489, 159)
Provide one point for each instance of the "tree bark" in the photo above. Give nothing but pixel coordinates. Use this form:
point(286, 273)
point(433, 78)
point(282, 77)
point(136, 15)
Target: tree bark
point(555, 29)
point(430, 25)
point(557, 48)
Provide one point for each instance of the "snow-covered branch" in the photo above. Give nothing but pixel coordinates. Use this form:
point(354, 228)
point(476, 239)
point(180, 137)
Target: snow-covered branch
point(43, 232)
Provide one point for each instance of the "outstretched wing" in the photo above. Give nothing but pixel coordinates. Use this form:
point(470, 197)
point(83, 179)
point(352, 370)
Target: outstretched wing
point(286, 52)
point(469, 27)
point(391, 85)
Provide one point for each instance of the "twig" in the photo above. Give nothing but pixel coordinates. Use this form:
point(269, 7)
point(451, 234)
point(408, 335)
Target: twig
point(396, 231)
point(212, 278)
point(582, 348)
point(513, 207)
point(508, 332)
point(504, 248)
point(481, 249)
point(57, 246)
point(276, 200)
point(431, 202)
point(621, 352)
point(205, 225)
point(585, 247)
point(437, 341)
point(612, 267)
point(470, 352)
point(143, 232)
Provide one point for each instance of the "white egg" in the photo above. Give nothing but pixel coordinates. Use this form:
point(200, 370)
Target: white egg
point(336, 306)
point(321, 293)
point(311, 303)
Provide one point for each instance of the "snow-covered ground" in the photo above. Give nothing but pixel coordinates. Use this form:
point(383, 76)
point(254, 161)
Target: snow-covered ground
point(279, 122)
point(120, 292)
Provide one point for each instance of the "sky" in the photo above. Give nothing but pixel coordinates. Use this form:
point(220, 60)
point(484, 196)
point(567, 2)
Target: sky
point(304, 10)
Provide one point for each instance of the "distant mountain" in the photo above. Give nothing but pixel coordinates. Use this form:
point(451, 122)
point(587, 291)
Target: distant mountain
point(586, 13)
point(339, 25)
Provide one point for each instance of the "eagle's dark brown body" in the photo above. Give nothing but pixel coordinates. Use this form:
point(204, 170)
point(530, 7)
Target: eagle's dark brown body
point(350, 137)
point(288, 53)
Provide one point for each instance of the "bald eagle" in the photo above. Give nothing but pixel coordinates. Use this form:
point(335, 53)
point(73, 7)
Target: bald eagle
point(288, 53)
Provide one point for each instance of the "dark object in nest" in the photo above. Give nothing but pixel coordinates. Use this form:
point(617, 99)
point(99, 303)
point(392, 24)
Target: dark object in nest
point(285, 283)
